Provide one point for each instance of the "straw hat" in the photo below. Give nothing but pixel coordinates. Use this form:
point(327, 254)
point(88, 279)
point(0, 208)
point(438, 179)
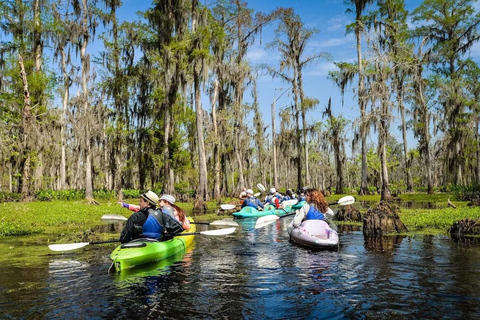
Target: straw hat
point(150, 197)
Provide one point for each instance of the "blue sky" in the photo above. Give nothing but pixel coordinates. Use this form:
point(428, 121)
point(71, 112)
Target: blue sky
point(330, 17)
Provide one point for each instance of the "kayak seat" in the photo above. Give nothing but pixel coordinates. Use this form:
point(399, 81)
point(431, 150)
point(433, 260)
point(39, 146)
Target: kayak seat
point(317, 228)
point(133, 245)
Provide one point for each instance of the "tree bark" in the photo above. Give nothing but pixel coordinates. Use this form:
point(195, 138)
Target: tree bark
point(27, 124)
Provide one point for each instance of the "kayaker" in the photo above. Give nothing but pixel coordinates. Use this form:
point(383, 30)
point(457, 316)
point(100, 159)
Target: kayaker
point(289, 195)
point(274, 198)
point(165, 203)
point(315, 208)
point(180, 216)
point(302, 194)
point(252, 201)
point(149, 222)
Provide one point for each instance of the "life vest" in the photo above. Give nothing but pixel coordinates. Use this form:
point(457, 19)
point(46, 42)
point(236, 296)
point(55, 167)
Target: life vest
point(314, 214)
point(249, 202)
point(169, 210)
point(153, 228)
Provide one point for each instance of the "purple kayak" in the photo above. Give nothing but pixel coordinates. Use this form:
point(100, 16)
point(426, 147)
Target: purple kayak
point(314, 234)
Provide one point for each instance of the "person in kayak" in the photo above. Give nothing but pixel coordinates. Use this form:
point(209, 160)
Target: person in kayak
point(149, 222)
point(252, 201)
point(274, 198)
point(180, 216)
point(315, 208)
point(167, 205)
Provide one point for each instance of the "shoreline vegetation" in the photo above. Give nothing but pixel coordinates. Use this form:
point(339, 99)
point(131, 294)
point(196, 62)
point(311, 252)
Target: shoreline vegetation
point(70, 219)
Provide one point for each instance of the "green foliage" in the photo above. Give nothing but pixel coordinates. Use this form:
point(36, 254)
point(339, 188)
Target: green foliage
point(184, 188)
point(35, 217)
point(131, 193)
point(9, 196)
point(466, 193)
point(442, 219)
point(69, 194)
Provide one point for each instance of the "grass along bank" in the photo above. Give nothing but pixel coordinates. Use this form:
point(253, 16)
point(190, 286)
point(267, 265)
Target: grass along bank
point(72, 219)
point(59, 217)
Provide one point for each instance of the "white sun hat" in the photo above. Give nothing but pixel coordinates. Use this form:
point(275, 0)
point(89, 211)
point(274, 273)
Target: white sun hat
point(168, 198)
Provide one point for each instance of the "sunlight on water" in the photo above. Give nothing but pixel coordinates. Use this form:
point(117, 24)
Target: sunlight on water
point(252, 274)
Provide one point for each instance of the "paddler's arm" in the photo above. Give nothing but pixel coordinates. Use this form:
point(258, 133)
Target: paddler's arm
point(300, 214)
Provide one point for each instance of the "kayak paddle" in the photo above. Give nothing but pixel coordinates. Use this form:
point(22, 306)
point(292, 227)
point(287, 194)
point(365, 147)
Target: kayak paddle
point(261, 187)
point(266, 220)
point(78, 245)
point(227, 206)
point(111, 218)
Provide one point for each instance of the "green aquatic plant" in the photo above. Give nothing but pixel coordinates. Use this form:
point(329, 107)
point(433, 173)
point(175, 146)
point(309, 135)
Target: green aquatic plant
point(441, 219)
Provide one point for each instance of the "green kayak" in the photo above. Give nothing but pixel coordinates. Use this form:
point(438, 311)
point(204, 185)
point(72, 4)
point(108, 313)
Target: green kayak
point(142, 251)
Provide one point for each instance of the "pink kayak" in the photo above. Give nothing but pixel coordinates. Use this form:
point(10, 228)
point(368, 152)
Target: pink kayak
point(314, 234)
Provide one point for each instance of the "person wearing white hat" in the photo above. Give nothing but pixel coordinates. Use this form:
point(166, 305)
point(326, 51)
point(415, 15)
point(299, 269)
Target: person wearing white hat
point(274, 198)
point(149, 196)
point(149, 222)
point(251, 201)
point(165, 203)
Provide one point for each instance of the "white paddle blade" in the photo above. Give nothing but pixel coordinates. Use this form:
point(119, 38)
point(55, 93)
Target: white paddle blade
point(330, 214)
point(111, 218)
point(67, 246)
point(224, 223)
point(266, 220)
point(346, 200)
point(219, 232)
point(289, 202)
point(227, 206)
point(257, 194)
point(261, 187)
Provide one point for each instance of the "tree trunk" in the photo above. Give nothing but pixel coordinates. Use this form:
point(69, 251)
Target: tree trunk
point(382, 145)
point(408, 174)
point(361, 103)
point(86, 116)
point(63, 125)
point(27, 123)
point(216, 144)
point(202, 194)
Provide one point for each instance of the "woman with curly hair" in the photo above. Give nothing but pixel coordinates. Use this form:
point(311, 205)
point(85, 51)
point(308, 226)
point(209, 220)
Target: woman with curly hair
point(315, 208)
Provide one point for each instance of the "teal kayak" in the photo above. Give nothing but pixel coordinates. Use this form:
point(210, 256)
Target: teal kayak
point(250, 212)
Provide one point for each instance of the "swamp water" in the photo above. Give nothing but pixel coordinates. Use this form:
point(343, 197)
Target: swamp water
point(251, 274)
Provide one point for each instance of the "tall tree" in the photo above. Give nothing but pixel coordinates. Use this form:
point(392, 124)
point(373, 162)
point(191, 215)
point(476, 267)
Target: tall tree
point(358, 26)
point(452, 28)
point(335, 129)
point(292, 51)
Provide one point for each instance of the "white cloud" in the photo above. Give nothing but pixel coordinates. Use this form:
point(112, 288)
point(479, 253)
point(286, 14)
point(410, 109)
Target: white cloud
point(257, 55)
point(322, 69)
point(335, 42)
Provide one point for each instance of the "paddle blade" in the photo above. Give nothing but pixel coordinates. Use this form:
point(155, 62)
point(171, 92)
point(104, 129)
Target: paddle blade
point(112, 218)
point(289, 202)
point(219, 232)
point(224, 223)
point(257, 194)
point(68, 246)
point(227, 206)
point(266, 220)
point(261, 187)
point(346, 200)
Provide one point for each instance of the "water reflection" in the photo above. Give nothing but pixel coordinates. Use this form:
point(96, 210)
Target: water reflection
point(254, 274)
point(383, 243)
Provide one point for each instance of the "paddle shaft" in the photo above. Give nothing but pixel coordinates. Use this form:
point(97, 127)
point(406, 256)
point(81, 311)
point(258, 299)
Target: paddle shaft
point(106, 241)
